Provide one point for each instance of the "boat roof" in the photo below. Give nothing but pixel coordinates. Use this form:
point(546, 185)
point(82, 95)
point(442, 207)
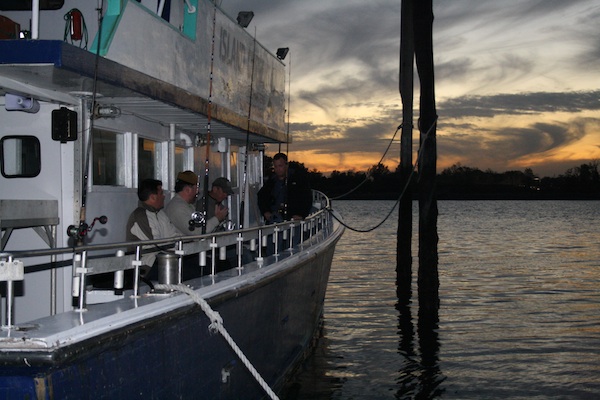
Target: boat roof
point(56, 71)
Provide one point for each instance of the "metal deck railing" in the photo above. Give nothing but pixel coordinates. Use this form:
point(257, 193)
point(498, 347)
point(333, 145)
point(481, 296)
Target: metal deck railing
point(88, 260)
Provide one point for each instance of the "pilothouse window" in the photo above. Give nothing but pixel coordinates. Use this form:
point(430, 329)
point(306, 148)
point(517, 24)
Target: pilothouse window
point(20, 156)
point(108, 158)
point(149, 158)
point(180, 159)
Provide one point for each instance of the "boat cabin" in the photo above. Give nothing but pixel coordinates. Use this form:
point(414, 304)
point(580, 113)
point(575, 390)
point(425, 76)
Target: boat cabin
point(97, 96)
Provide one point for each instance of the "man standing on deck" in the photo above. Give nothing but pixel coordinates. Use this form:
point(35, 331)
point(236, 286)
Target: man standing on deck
point(286, 195)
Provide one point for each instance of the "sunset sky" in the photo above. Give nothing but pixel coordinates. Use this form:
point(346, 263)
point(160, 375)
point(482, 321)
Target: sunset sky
point(517, 81)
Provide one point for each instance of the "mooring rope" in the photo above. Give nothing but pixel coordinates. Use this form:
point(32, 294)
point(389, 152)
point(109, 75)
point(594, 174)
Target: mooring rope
point(216, 325)
point(412, 172)
point(341, 196)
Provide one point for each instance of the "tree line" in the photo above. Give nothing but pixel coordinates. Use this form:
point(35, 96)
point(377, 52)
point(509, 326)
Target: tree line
point(460, 183)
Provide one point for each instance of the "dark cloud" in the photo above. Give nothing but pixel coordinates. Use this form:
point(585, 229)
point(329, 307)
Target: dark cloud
point(373, 137)
point(590, 29)
point(453, 70)
point(329, 36)
point(515, 104)
point(544, 7)
point(513, 143)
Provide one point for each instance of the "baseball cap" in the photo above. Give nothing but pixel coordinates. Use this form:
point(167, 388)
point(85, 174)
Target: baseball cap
point(188, 177)
point(224, 184)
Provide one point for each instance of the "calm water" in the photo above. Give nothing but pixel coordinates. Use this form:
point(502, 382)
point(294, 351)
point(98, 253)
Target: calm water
point(519, 313)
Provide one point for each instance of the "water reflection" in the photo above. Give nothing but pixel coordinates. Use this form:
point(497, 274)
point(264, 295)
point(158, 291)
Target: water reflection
point(519, 317)
point(315, 380)
point(420, 376)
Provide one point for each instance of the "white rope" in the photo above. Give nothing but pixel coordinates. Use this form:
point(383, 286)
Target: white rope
point(216, 325)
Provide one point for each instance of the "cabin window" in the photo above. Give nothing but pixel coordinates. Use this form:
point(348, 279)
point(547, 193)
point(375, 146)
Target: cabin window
point(233, 161)
point(180, 159)
point(21, 156)
point(108, 158)
point(254, 170)
point(149, 159)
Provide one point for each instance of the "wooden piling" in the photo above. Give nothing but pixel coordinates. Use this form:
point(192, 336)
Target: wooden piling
point(404, 246)
point(416, 44)
point(428, 280)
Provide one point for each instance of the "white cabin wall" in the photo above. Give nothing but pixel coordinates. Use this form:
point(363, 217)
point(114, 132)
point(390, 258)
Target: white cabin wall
point(55, 182)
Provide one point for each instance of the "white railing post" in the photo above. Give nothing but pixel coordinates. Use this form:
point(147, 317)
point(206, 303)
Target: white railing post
point(137, 263)
point(10, 271)
point(35, 19)
point(291, 244)
point(240, 247)
point(276, 240)
point(82, 271)
point(213, 257)
point(119, 276)
point(180, 253)
point(261, 240)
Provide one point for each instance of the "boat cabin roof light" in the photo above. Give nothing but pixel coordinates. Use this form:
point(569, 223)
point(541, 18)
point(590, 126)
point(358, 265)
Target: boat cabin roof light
point(282, 52)
point(244, 18)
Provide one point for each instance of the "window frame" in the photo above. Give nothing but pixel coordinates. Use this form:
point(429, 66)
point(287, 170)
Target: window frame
point(38, 151)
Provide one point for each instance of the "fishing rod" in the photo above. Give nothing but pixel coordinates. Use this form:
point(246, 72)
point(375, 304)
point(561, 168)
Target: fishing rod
point(209, 118)
point(79, 232)
point(243, 199)
point(287, 143)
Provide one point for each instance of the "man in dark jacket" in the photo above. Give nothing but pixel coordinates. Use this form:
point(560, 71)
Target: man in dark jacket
point(286, 195)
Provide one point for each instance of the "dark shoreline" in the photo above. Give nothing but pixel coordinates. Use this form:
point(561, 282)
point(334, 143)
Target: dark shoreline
point(481, 196)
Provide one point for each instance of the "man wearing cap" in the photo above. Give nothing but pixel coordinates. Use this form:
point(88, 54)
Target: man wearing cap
point(217, 212)
point(180, 208)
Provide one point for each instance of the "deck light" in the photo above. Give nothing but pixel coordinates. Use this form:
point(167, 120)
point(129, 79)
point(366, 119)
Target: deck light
point(102, 111)
point(282, 52)
point(14, 102)
point(244, 18)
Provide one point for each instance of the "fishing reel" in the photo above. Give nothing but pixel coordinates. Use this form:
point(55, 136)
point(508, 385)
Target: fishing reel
point(225, 226)
point(78, 232)
point(198, 220)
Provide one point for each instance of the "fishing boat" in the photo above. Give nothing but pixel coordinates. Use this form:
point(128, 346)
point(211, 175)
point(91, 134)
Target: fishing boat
point(94, 98)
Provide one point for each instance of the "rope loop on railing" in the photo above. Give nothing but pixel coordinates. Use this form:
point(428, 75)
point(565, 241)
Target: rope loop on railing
point(216, 325)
